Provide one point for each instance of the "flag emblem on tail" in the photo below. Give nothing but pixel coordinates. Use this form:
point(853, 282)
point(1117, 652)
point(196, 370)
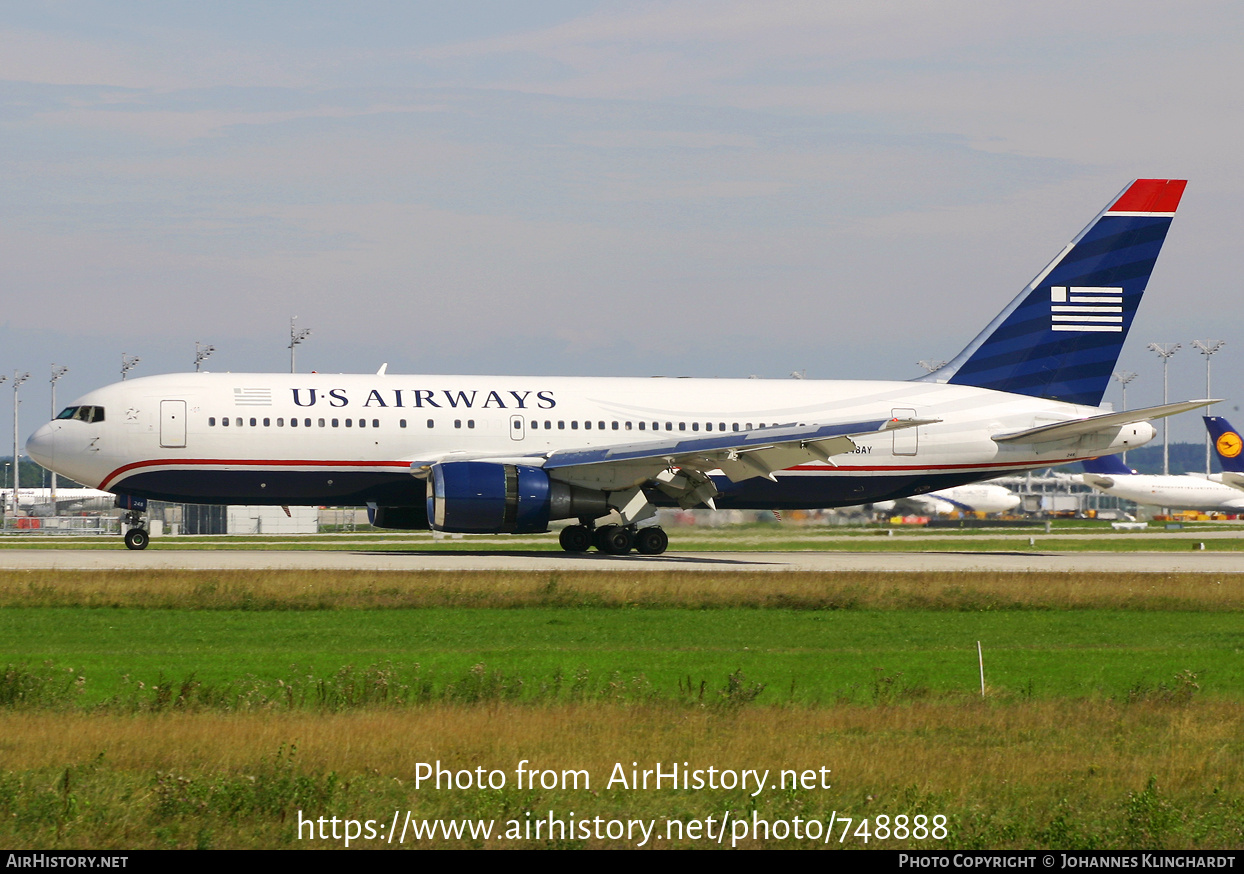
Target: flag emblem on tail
point(1076, 308)
point(1229, 445)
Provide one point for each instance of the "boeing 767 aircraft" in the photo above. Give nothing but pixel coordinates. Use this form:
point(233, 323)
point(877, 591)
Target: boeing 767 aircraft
point(510, 454)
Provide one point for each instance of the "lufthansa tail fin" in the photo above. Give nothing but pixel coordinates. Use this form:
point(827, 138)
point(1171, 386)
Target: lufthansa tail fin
point(1061, 337)
point(1228, 444)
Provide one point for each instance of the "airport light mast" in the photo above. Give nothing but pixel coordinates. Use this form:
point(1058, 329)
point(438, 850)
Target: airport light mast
point(202, 352)
point(58, 370)
point(128, 363)
point(1165, 351)
point(1124, 377)
point(18, 379)
point(1208, 348)
point(295, 337)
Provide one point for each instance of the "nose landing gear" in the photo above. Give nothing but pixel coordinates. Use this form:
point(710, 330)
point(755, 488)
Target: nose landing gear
point(136, 536)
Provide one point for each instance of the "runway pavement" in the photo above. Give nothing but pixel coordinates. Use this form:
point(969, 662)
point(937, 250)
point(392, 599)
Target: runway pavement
point(397, 559)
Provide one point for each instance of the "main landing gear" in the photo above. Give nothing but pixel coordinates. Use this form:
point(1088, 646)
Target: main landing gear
point(614, 539)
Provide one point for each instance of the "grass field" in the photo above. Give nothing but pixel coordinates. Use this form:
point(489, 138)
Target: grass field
point(179, 708)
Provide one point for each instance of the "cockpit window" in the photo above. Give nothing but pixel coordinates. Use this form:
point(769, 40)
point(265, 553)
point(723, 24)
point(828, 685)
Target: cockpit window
point(83, 414)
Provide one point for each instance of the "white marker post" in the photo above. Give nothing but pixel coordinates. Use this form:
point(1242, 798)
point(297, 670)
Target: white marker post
point(980, 656)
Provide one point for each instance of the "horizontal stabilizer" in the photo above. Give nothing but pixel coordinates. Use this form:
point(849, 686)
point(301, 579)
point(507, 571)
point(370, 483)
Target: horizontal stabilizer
point(1095, 424)
point(1232, 478)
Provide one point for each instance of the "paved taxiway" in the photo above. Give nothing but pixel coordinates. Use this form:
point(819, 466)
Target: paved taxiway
point(549, 560)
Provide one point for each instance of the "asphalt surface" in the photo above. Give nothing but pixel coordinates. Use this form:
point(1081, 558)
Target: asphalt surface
point(399, 559)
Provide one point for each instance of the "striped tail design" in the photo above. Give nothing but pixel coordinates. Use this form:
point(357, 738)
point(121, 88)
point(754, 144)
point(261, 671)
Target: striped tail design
point(1061, 337)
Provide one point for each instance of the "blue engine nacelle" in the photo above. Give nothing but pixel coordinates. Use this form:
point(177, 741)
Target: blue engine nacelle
point(485, 497)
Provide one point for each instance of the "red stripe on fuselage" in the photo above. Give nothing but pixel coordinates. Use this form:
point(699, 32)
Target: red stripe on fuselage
point(245, 462)
point(1151, 195)
point(404, 465)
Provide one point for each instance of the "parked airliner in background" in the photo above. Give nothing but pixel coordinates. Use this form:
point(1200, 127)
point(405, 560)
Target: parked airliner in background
point(1178, 492)
point(39, 502)
point(1190, 491)
point(501, 454)
point(973, 498)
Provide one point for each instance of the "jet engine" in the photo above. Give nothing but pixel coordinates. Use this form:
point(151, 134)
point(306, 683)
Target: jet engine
point(486, 497)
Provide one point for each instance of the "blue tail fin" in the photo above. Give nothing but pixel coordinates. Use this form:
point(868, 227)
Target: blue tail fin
point(1107, 465)
point(1227, 443)
point(1060, 339)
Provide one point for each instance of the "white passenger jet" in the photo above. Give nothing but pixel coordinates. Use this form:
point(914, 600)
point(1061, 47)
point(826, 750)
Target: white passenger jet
point(1190, 491)
point(1186, 491)
point(975, 498)
point(502, 454)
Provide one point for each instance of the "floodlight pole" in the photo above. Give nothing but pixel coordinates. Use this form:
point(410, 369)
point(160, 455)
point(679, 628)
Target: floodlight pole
point(295, 337)
point(1208, 348)
point(58, 370)
point(18, 379)
point(128, 363)
point(202, 351)
point(1165, 351)
point(1124, 377)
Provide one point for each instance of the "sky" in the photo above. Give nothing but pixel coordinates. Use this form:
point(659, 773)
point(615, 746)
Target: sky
point(730, 189)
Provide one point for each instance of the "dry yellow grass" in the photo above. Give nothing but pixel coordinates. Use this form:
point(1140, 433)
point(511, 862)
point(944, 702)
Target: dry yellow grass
point(952, 749)
point(276, 589)
point(1069, 773)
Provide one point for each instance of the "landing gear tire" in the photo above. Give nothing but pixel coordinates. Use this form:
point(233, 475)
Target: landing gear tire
point(575, 538)
point(137, 538)
point(614, 540)
point(651, 541)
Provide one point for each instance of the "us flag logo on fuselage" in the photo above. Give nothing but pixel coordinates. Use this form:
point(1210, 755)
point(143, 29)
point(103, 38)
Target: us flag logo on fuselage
point(252, 397)
point(1079, 308)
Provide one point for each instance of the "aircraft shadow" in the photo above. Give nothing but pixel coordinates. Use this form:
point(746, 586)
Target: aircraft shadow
point(582, 557)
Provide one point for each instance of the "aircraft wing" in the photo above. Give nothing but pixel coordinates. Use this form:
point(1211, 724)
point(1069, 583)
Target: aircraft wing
point(678, 464)
point(1095, 424)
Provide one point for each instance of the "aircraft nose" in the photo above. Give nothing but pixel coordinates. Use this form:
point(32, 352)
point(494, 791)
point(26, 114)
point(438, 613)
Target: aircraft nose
point(41, 447)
